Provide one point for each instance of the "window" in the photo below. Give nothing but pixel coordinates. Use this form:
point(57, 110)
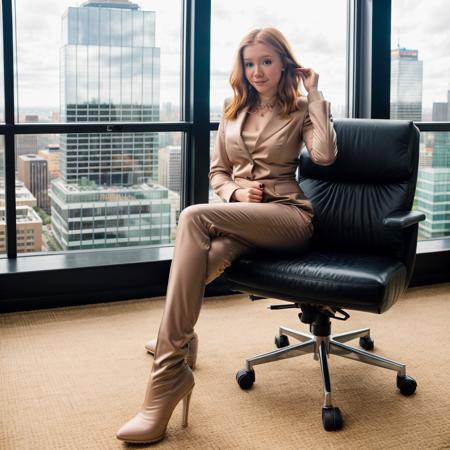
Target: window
point(321, 47)
point(91, 62)
point(433, 185)
point(63, 92)
point(420, 60)
point(118, 190)
point(420, 92)
point(320, 41)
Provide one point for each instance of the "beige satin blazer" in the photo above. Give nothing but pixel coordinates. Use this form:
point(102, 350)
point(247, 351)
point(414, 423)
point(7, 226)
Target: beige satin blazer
point(274, 159)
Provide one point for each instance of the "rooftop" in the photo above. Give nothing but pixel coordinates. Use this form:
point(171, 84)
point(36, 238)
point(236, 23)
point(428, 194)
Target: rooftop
point(89, 186)
point(122, 4)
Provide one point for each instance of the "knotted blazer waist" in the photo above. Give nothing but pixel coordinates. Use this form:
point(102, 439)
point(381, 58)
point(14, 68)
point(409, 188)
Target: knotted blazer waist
point(281, 191)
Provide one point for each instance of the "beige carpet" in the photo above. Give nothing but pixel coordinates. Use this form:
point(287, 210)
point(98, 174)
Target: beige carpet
point(70, 377)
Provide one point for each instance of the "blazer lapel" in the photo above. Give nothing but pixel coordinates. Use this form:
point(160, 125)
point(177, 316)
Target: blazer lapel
point(275, 124)
point(234, 130)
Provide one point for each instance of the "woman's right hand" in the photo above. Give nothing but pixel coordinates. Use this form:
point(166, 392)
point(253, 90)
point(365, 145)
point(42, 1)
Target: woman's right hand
point(253, 194)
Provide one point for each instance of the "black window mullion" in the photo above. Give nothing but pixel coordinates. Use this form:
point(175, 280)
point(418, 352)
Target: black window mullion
point(185, 98)
point(361, 24)
point(197, 52)
point(369, 60)
point(9, 171)
point(433, 126)
point(381, 59)
point(185, 94)
point(99, 127)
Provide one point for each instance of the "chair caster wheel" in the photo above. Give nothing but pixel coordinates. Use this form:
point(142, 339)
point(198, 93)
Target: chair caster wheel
point(245, 378)
point(282, 341)
point(331, 419)
point(366, 343)
point(406, 384)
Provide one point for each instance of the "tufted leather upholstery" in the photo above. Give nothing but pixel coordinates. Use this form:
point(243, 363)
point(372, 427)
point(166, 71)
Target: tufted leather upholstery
point(363, 250)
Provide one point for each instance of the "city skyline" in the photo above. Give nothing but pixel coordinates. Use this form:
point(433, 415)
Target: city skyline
point(88, 97)
point(320, 47)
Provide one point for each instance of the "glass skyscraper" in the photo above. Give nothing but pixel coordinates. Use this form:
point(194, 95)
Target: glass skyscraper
point(108, 194)
point(406, 84)
point(432, 193)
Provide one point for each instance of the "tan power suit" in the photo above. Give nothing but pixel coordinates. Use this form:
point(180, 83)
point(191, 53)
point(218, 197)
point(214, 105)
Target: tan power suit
point(210, 236)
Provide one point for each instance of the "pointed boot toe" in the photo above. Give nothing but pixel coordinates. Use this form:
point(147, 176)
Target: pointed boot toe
point(137, 430)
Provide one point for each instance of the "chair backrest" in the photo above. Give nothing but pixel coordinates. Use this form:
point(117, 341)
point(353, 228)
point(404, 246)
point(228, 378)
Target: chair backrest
point(374, 175)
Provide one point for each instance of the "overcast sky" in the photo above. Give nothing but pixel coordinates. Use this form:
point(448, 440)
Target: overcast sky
point(316, 30)
point(425, 26)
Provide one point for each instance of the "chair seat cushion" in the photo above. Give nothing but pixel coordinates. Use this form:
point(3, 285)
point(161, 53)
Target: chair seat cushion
point(369, 283)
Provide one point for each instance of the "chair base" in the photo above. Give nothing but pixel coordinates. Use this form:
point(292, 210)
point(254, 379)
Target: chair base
point(321, 347)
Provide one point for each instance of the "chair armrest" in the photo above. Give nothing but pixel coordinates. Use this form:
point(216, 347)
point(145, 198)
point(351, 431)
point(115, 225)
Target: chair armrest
point(403, 219)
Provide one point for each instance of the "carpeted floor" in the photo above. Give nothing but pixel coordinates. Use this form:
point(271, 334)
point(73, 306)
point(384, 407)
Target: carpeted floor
point(71, 377)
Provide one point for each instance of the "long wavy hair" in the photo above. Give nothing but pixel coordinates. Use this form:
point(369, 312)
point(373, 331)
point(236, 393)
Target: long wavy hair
point(288, 87)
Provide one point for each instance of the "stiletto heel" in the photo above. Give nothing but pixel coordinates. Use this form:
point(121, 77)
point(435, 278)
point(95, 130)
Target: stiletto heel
point(186, 401)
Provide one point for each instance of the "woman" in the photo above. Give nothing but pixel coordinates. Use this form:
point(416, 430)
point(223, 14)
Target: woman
point(253, 171)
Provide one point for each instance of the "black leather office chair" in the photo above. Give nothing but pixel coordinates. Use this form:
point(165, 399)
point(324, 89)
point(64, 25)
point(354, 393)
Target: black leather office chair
point(361, 256)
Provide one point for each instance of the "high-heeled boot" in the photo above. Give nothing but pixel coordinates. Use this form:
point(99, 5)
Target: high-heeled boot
point(162, 396)
point(171, 379)
point(191, 355)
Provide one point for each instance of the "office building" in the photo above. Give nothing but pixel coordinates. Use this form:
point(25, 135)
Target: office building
point(432, 194)
point(52, 155)
point(29, 224)
point(29, 230)
point(439, 111)
point(32, 170)
point(433, 198)
point(23, 196)
point(27, 144)
point(88, 216)
point(109, 72)
point(406, 84)
point(426, 154)
point(170, 167)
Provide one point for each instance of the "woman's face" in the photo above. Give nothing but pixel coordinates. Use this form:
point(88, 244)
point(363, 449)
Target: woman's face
point(262, 66)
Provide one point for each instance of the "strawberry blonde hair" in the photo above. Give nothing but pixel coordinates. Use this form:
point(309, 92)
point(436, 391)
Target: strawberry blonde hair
point(288, 87)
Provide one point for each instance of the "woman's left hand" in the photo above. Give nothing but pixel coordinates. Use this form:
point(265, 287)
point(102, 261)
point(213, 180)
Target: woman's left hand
point(309, 77)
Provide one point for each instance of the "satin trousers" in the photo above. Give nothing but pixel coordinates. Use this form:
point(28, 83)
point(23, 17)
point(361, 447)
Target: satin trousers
point(209, 238)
